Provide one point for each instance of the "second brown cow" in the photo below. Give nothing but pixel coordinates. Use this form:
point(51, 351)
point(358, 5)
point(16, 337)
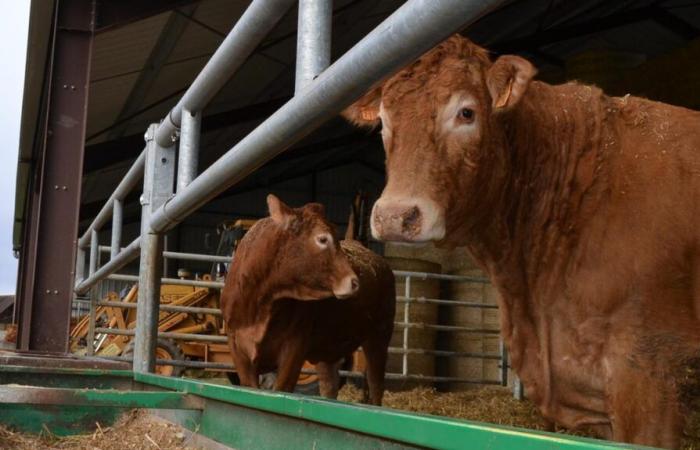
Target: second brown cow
point(294, 293)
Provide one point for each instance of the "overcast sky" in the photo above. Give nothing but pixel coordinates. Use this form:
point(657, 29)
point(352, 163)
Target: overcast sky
point(13, 47)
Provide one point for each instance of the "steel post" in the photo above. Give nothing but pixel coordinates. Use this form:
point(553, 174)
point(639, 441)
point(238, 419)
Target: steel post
point(255, 23)
point(126, 185)
point(412, 30)
point(117, 221)
point(158, 180)
point(48, 253)
point(92, 320)
point(313, 40)
point(188, 154)
point(406, 317)
point(504, 363)
point(518, 389)
point(94, 252)
point(80, 265)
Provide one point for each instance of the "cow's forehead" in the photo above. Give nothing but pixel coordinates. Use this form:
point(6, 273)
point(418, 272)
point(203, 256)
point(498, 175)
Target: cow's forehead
point(425, 85)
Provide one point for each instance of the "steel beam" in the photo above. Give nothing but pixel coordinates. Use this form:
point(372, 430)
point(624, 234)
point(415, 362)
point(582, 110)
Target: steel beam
point(167, 40)
point(412, 30)
point(313, 41)
point(158, 182)
point(113, 14)
point(255, 23)
point(188, 154)
point(49, 250)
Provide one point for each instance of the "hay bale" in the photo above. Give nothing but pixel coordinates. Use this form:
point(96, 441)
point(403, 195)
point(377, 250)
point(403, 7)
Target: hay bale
point(422, 313)
point(473, 317)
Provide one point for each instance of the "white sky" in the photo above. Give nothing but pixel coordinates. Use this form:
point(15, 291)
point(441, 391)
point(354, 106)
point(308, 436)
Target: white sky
point(13, 45)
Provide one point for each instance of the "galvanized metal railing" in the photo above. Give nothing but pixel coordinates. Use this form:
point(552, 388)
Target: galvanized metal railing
point(404, 303)
point(321, 92)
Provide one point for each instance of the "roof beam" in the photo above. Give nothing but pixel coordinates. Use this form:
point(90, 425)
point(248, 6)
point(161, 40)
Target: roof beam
point(104, 154)
point(577, 30)
point(164, 46)
point(117, 13)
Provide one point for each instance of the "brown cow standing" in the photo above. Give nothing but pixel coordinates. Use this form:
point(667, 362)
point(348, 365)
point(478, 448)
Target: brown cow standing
point(294, 293)
point(582, 208)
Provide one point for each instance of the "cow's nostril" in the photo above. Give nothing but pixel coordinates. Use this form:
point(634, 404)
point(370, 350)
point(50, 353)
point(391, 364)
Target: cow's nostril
point(355, 283)
point(410, 222)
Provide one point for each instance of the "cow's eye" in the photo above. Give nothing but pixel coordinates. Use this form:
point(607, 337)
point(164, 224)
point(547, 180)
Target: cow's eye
point(466, 115)
point(322, 240)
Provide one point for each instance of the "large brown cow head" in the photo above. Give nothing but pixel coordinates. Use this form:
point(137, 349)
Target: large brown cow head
point(294, 254)
point(444, 142)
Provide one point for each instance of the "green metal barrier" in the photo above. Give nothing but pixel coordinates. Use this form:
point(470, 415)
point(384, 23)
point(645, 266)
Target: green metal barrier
point(68, 401)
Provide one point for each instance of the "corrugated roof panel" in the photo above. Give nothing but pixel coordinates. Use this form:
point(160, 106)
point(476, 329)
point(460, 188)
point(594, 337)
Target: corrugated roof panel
point(125, 49)
point(105, 100)
point(197, 40)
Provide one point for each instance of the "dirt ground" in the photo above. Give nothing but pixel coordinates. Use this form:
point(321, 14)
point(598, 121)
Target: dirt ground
point(135, 430)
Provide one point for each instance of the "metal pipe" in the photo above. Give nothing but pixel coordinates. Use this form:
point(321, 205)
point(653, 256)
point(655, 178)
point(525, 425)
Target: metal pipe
point(92, 319)
point(406, 318)
point(446, 328)
point(504, 363)
point(437, 301)
point(313, 41)
point(196, 257)
point(128, 254)
point(344, 373)
point(79, 265)
point(255, 23)
point(117, 221)
point(186, 256)
point(167, 308)
point(188, 154)
point(128, 183)
point(176, 281)
point(412, 30)
point(439, 276)
point(164, 334)
point(94, 251)
point(158, 180)
point(444, 353)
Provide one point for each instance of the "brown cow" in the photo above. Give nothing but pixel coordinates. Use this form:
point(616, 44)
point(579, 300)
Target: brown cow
point(294, 293)
point(582, 208)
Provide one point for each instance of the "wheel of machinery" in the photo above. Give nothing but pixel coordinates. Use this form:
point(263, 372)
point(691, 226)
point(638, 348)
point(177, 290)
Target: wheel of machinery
point(165, 349)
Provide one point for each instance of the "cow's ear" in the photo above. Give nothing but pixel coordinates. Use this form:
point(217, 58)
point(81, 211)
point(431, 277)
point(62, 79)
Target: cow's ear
point(279, 212)
point(365, 111)
point(507, 80)
point(316, 208)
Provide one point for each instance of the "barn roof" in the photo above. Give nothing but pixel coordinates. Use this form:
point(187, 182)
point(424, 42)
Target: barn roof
point(144, 57)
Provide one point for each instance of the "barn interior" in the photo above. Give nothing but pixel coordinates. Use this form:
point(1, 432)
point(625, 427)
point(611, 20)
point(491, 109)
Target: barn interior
point(146, 54)
point(140, 65)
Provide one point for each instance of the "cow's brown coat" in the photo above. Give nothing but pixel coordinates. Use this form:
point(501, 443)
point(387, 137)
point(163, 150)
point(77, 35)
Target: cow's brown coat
point(583, 209)
point(279, 307)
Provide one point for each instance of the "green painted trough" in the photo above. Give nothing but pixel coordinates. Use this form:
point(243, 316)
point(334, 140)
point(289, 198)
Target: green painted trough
point(71, 400)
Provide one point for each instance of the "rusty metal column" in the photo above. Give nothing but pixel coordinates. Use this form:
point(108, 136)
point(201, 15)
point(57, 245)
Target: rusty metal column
point(158, 182)
point(47, 259)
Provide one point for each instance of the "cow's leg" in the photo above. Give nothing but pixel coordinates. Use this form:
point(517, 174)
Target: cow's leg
point(376, 350)
point(290, 364)
point(244, 366)
point(329, 378)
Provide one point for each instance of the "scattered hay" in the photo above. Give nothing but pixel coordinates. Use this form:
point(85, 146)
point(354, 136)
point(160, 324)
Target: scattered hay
point(488, 404)
point(135, 430)
point(493, 404)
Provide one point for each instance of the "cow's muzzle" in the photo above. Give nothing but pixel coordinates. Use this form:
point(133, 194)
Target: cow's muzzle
point(347, 287)
point(407, 220)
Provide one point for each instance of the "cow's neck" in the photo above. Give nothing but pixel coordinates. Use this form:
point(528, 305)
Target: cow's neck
point(553, 140)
